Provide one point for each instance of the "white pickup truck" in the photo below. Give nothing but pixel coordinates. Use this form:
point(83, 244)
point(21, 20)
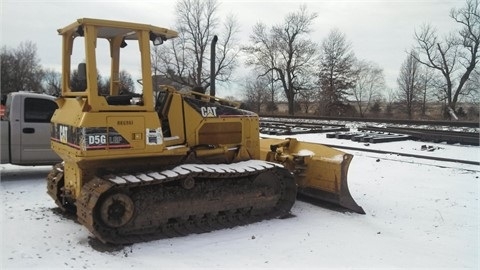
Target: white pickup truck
point(25, 129)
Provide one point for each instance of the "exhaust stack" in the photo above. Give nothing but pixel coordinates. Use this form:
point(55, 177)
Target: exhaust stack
point(212, 65)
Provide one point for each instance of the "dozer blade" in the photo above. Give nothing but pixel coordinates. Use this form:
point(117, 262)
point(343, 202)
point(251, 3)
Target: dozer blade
point(320, 171)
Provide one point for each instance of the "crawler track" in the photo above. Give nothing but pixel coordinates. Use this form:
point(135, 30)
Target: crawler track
point(128, 208)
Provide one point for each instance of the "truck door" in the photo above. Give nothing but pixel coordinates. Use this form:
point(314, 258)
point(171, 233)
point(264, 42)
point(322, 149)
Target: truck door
point(35, 131)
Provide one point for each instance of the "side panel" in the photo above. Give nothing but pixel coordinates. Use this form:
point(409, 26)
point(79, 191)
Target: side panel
point(34, 131)
point(212, 123)
point(220, 133)
point(173, 122)
point(5, 142)
point(15, 116)
point(127, 131)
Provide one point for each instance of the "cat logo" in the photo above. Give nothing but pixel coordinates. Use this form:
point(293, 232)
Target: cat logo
point(209, 111)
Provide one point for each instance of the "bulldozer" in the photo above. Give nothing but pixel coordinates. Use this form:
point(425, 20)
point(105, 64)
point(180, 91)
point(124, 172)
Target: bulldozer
point(158, 162)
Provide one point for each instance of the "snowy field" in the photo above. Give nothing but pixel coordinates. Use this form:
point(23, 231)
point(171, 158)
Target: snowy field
point(420, 214)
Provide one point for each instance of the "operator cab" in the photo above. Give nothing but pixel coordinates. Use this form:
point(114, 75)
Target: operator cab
point(100, 59)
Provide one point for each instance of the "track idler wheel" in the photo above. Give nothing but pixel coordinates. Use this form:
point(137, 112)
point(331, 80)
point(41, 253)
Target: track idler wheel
point(116, 210)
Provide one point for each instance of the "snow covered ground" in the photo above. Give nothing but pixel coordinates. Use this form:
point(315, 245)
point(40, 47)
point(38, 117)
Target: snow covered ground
point(420, 214)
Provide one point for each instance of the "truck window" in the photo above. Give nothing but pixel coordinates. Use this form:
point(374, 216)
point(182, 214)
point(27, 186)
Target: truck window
point(39, 110)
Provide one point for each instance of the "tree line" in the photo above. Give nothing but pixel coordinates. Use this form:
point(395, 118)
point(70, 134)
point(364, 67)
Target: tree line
point(328, 76)
point(21, 71)
point(322, 78)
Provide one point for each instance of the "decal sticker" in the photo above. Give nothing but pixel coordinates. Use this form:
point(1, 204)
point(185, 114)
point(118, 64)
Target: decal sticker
point(89, 138)
point(154, 136)
point(63, 133)
point(66, 134)
point(213, 109)
point(209, 111)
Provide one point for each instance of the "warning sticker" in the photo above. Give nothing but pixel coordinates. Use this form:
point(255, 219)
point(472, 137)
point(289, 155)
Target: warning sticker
point(154, 136)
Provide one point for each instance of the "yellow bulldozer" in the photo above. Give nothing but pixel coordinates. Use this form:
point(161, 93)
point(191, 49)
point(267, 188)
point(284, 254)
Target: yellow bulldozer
point(158, 162)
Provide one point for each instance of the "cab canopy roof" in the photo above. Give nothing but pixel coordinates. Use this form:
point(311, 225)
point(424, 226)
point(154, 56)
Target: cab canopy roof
point(110, 29)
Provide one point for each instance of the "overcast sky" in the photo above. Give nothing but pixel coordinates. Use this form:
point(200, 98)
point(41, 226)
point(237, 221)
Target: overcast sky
point(379, 30)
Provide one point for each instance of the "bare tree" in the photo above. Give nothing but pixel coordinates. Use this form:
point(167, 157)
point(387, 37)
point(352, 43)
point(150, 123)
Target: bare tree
point(390, 96)
point(305, 100)
point(7, 71)
point(274, 87)
point(337, 74)
point(186, 59)
point(286, 51)
point(427, 85)
point(103, 84)
point(409, 83)
point(472, 87)
point(126, 82)
point(262, 56)
point(457, 55)
point(375, 109)
point(21, 69)
point(256, 93)
point(369, 83)
point(52, 82)
point(157, 61)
